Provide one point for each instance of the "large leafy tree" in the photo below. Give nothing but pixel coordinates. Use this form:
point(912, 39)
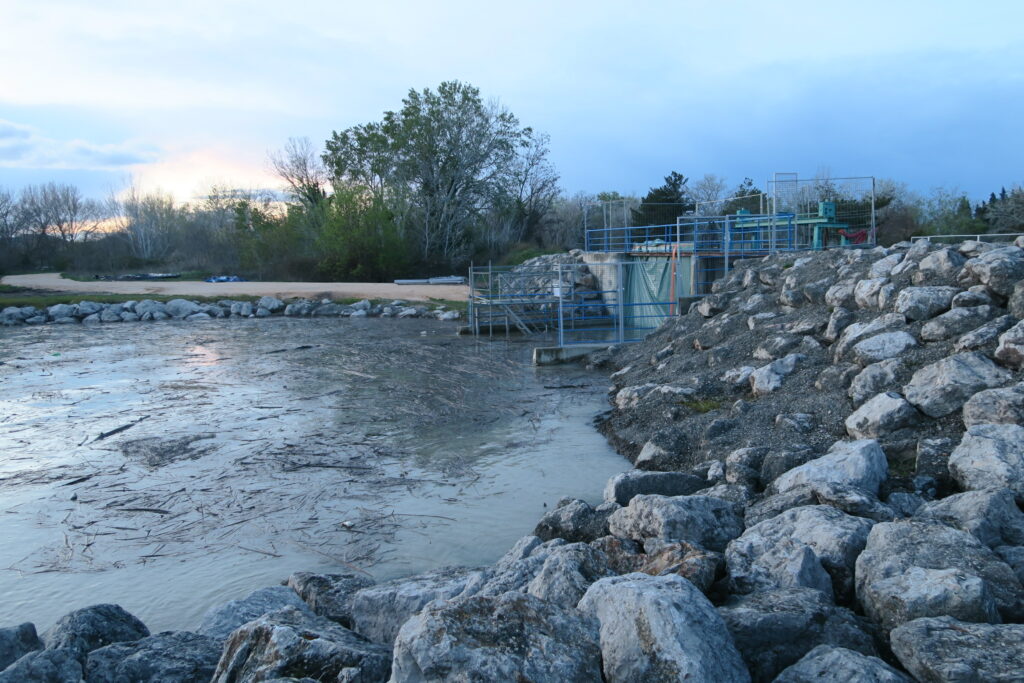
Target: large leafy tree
point(438, 163)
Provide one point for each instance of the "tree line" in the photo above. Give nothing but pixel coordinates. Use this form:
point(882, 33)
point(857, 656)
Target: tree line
point(445, 180)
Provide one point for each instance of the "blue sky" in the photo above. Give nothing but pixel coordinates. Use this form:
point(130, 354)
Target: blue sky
point(181, 95)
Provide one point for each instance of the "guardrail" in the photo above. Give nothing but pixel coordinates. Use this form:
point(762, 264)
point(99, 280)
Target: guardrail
point(991, 237)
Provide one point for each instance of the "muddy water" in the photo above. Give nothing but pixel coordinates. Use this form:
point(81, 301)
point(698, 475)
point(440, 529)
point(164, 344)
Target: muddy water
point(172, 466)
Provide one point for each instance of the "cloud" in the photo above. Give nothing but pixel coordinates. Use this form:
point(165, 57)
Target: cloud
point(22, 146)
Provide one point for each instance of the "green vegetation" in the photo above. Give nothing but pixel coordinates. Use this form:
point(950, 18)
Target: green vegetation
point(701, 405)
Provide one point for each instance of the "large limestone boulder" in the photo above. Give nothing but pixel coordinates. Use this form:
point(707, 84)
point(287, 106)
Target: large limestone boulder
point(329, 595)
point(922, 303)
point(270, 303)
point(62, 665)
point(913, 569)
point(1011, 346)
point(768, 378)
point(660, 628)
point(945, 650)
point(168, 657)
point(957, 321)
point(874, 379)
point(942, 262)
point(705, 520)
point(943, 387)
point(828, 664)
point(179, 308)
point(999, 269)
point(880, 416)
point(379, 611)
point(856, 332)
point(575, 521)
point(812, 546)
point(990, 456)
point(509, 637)
point(220, 621)
point(16, 641)
point(990, 515)
point(883, 346)
point(93, 627)
point(996, 406)
point(623, 487)
point(855, 463)
point(290, 642)
point(773, 629)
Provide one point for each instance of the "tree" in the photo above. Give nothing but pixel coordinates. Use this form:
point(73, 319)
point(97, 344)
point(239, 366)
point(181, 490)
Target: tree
point(746, 196)
point(57, 212)
point(438, 163)
point(707, 195)
point(663, 204)
point(300, 167)
point(1007, 214)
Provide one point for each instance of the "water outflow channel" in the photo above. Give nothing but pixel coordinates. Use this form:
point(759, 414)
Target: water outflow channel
point(169, 467)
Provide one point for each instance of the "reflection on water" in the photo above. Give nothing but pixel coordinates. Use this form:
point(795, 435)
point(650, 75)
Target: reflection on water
point(169, 467)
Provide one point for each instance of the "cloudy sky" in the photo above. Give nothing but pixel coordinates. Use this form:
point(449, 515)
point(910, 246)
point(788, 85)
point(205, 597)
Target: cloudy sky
point(179, 95)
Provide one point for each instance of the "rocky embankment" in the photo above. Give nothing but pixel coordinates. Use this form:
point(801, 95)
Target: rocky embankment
point(830, 469)
point(91, 312)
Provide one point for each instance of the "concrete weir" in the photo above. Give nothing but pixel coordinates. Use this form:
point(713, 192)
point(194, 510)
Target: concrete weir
point(555, 355)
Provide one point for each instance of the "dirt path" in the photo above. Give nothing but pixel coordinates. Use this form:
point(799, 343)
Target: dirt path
point(227, 290)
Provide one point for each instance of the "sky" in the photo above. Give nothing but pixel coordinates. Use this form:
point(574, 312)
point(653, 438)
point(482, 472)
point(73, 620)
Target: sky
point(177, 96)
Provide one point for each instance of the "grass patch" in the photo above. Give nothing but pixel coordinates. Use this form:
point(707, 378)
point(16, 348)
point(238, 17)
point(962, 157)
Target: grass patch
point(186, 276)
point(701, 405)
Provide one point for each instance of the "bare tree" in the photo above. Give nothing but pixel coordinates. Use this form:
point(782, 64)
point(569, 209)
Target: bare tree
point(148, 221)
point(298, 164)
point(708, 194)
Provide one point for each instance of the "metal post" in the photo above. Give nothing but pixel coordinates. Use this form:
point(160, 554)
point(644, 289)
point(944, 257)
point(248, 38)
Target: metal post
point(561, 319)
point(725, 243)
point(622, 306)
point(874, 237)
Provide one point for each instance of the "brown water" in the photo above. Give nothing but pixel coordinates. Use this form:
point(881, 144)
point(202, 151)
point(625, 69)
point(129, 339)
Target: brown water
point(252, 449)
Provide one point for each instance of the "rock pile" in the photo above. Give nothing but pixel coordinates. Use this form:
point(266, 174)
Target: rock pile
point(90, 312)
point(830, 474)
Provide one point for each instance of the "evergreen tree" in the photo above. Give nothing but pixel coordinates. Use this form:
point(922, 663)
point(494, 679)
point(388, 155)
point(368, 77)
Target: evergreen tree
point(663, 204)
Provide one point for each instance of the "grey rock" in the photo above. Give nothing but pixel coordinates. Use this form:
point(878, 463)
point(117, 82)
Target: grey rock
point(828, 664)
point(856, 332)
point(866, 292)
point(943, 387)
point(363, 305)
point(990, 456)
point(984, 335)
point(93, 627)
point(943, 649)
point(16, 641)
point(709, 522)
point(1016, 300)
point(972, 298)
point(774, 629)
point(110, 316)
point(776, 463)
point(241, 308)
point(911, 569)
point(510, 637)
point(874, 379)
point(575, 521)
point(331, 311)
point(198, 316)
point(880, 416)
point(933, 459)
point(883, 346)
point(359, 313)
point(854, 463)
point(62, 665)
point(942, 263)
point(290, 642)
point(922, 303)
point(853, 501)
point(379, 611)
point(1013, 555)
point(62, 311)
point(299, 308)
point(773, 505)
point(74, 321)
point(840, 295)
point(148, 306)
point(92, 319)
point(768, 378)
point(129, 317)
point(88, 308)
point(996, 406)
point(261, 312)
point(623, 487)
point(1011, 346)
point(883, 266)
point(329, 595)
point(837, 322)
point(219, 622)
point(40, 319)
point(168, 657)
point(743, 466)
point(999, 269)
point(660, 628)
point(448, 316)
point(178, 308)
point(957, 321)
point(903, 504)
point(991, 515)
point(813, 546)
point(270, 303)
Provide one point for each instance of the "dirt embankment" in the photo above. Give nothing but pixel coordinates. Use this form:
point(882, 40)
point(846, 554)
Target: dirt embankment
point(285, 290)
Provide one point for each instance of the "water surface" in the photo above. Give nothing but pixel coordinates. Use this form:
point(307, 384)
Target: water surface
point(172, 466)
